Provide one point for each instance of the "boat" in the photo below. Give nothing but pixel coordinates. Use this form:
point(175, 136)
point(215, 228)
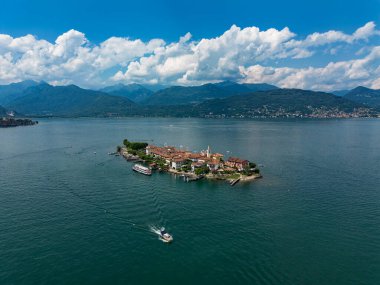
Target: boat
point(165, 236)
point(142, 169)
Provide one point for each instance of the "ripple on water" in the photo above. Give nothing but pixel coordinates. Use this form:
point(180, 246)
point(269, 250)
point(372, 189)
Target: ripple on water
point(68, 214)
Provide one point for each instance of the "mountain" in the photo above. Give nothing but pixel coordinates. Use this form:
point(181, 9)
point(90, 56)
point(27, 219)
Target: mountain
point(3, 111)
point(244, 87)
point(179, 95)
point(14, 90)
point(155, 87)
point(366, 96)
point(259, 86)
point(134, 92)
point(340, 93)
point(280, 103)
point(47, 100)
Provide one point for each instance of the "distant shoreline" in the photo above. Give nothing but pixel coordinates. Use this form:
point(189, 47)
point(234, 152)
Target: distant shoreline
point(197, 117)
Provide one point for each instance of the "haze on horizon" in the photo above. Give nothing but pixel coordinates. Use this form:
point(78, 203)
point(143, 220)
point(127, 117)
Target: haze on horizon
point(251, 50)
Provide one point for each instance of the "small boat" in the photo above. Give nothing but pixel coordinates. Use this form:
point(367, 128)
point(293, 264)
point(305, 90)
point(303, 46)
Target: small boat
point(142, 169)
point(165, 236)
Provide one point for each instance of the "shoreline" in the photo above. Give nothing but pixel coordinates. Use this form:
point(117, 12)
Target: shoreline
point(254, 118)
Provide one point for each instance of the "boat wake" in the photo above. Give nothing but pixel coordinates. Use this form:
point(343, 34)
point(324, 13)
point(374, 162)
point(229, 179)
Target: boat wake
point(155, 230)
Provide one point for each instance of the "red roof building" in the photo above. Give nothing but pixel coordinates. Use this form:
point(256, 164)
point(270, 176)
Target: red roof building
point(238, 163)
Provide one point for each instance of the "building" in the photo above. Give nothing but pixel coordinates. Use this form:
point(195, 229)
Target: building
point(237, 163)
point(161, 151)
point(177, 163)
point(213, 165)
point(196, 165)
point(177, 158)
point(194, 156)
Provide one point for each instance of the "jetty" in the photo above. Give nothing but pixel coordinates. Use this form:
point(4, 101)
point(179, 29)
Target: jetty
point(233, 182)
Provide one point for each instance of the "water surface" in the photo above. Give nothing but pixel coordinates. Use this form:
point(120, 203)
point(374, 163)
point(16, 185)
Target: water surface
point(73, 216)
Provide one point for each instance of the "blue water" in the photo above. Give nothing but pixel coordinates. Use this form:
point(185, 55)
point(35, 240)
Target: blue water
point(72, 216)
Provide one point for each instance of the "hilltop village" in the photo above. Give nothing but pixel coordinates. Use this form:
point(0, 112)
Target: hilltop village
point(191, 165)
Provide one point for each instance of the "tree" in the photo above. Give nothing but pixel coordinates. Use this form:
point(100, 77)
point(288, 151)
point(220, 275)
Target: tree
point(134, 145)
point(252, 165)
point(202, 170)
point(138, 145)
point(126, 143)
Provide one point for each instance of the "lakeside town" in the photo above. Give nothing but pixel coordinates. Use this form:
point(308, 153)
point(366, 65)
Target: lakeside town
point(312, 112)
point(191, 165)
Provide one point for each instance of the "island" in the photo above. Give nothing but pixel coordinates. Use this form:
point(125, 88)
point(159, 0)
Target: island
point(11, 122)
point(190, 165)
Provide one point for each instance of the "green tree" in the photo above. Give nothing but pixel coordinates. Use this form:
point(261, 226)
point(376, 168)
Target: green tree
point(126, 143)
point(202, 170)
point(134, 145)
point(252, 165)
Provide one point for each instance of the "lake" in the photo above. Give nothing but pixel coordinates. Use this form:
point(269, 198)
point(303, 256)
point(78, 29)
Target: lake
point(72, 214)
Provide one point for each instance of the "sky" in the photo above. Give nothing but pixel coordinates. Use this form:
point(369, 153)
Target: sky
point(318, 45)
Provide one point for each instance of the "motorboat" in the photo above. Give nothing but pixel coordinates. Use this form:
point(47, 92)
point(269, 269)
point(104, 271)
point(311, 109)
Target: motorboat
point(165, 236)
point(142, 169)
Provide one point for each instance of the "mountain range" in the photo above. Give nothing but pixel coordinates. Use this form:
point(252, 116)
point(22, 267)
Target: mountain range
point(47, 100)
point(270, 103)
point(179, 95)
point(213, 99)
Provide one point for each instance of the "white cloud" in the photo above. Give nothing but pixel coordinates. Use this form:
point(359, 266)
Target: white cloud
point(333, 76)
point(248, 54)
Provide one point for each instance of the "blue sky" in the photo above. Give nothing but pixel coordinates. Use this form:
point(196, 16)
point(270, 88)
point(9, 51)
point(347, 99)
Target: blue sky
point(170, 19)
point(149, 32)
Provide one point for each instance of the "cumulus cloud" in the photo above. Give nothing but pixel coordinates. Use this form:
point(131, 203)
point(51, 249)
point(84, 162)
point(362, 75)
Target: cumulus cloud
point(243, 54)
point(71, 58)
point(335, 75)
